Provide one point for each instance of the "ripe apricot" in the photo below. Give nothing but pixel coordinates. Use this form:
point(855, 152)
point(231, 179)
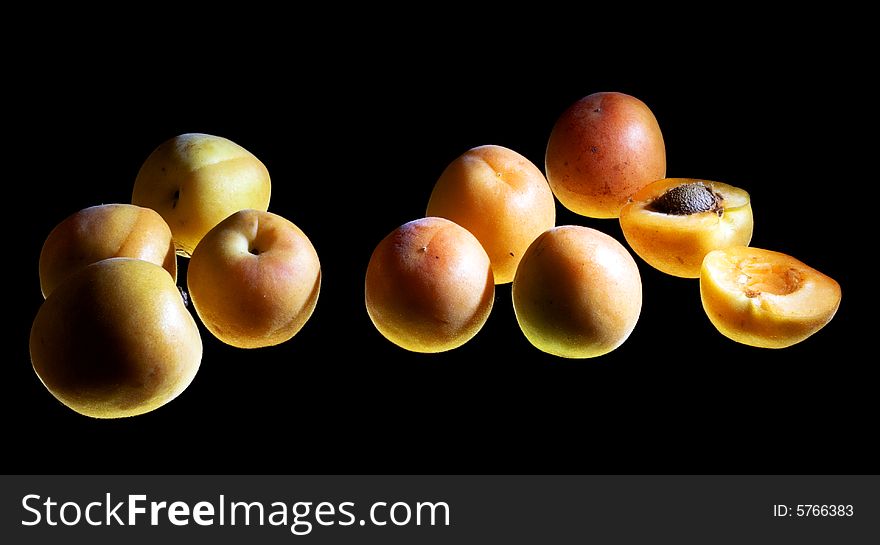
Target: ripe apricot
point(115, 340)
point(673, 223)
point(429, 286)
point(195, 181)
point(765, 299)
point(604, 148)
point(254, 279)
point(501, 197)
point(102, 232)
point(577, 293)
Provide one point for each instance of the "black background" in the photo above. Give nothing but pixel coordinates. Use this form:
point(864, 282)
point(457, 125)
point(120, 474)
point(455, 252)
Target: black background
point(354, 142)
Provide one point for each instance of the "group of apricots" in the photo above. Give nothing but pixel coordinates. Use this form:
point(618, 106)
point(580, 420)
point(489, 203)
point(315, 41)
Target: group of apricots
point(114, 338)
point(577, 292)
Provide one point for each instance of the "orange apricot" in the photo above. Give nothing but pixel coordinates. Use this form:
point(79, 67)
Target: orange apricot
point(429, 286)
point(501, 197)
point(101, 232)
point(673, 223)
point(254, 279)
point(765, 299)
point(604, 148)
point(577, 293)
point(115, 340)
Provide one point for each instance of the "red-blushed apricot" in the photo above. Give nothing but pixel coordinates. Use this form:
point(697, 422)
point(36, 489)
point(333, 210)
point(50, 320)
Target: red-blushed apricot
point(577, 293)
point(501, 198)
point(101, 232)
point(429, 286)
point(765, 299)
point(195, 181)
point(603, 149)
point(115, 340)
point(673, 223)
point(254, 279)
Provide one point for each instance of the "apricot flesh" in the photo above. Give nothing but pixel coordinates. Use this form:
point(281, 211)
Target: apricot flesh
point(765, 299)
point(115, 340)
point(604, 148)
point(577, 293)
point(501, 197)
point(102, 232)
point(429, 286)
point(254, 279)
point(673, 223)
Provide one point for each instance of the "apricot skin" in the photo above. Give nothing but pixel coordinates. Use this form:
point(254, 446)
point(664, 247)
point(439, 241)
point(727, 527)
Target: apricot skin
point(195, 181)
point(752, 306)
point(677, 244)
point(102, 232)
point(254, 279)
point(115, 340)
point(577, 293)
point(429, 286)
point(501, 198)
point(603, 149)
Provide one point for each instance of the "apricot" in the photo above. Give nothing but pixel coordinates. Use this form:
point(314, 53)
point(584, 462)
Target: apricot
point(102, 232)
point(254, 279)
point(115, 340)
point(765, 299)
point(673, 223)
point(429, 286)
point(195, 181)
point(577, 293)
point(604, 148)
point(501, 197)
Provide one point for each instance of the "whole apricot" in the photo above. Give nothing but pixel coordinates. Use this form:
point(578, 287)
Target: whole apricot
point(501, 197)
point(102, 232)
point(115, 340)
point(604, 148)
point(764, 298)
point(429, 286)
point(195, 181)
point(577, 293)
point(254, 279)
point(673, 223)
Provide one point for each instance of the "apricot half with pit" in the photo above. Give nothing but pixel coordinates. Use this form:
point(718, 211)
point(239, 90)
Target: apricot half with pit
point(577, 293)
point(765, 299)
point(429, 286)
point(673, 223)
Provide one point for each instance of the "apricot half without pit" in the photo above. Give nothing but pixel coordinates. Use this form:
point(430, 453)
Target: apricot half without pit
point(765, 299)
point(673, 223)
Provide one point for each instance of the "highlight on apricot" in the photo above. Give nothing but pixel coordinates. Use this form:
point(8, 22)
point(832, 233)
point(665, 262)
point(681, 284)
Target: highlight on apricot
point(764, 298)
point(673, 223)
